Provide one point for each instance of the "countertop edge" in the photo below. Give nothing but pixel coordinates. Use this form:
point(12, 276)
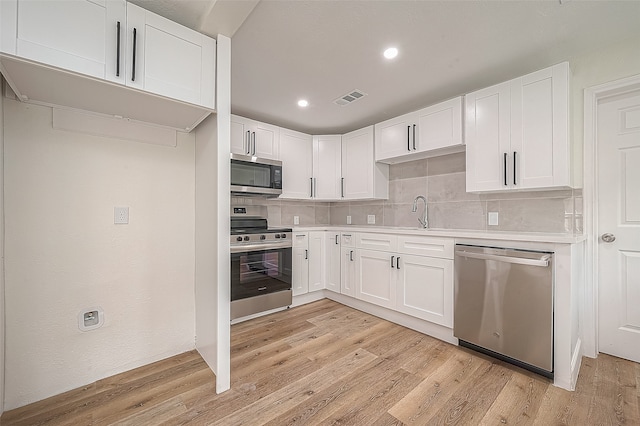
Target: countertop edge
point(453, 233)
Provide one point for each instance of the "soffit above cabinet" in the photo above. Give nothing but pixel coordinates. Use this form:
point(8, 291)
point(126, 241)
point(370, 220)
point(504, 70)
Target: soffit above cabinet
point(45, 85)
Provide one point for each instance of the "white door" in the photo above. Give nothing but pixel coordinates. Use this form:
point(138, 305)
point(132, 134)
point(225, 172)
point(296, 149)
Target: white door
point(396, 137)
point(240, 135)
point(376, 278)
point(327, 171)
point(300, 270)
point(265, 140)
point(296, 154)
point(618, 159)
point(440, 126)
point(73, 35)
point(348, 271)
point(333, 261)
point(316, 262)
point(488, 138)
point(357, 163)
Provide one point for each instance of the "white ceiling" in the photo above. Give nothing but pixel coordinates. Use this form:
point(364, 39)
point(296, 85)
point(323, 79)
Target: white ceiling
point(321, 50)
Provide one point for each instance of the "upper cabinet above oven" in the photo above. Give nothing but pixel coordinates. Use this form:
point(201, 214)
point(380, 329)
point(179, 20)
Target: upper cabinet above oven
point(109, 57)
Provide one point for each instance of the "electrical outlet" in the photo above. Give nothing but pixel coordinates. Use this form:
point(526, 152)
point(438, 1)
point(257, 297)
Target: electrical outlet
point(121, 215)
point(371, 219)
point(296, 220)
point(493, 218)
point(348, 220)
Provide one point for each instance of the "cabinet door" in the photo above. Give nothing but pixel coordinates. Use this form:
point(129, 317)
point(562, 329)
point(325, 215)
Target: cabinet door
point(357, 164)
point(300, 271)
point(240, 135)
point(296, 156)
point(487, 133)
point(73, 35)
point(376, 278)
point(333, 260)
point(327, 167)
point(317, 260)
point(440, 126)
point(539, 129)
point(396, 137)
point(265, 141)
point(168, 59)
point(348, 271)
point(425, 288)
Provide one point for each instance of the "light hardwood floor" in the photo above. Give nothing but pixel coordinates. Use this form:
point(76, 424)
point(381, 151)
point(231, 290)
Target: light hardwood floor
point(327, 364)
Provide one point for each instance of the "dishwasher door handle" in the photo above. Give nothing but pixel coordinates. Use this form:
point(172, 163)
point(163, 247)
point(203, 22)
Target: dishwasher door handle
point(543, 261)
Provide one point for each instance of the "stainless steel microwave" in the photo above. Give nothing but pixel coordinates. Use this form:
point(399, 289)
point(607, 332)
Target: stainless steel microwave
point(255, 176)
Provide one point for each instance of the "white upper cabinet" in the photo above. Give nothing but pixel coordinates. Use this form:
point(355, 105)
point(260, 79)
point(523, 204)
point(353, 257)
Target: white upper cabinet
point(327, 170)
point(165, 58)
point(517, 133)
point(249, 137)
point(109, 40)
point(363, 177)
point(431, 131)
point(296, 154)
point(72, 35)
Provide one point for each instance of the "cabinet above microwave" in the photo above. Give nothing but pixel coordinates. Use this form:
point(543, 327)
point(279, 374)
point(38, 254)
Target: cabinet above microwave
point(112, 58)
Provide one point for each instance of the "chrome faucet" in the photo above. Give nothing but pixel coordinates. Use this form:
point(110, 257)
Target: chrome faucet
point(423, 219)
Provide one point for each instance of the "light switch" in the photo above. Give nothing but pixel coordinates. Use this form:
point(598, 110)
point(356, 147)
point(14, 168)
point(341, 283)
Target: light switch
point(371, 219)
point(296, 220)
point(121, 215)
point(348, 220)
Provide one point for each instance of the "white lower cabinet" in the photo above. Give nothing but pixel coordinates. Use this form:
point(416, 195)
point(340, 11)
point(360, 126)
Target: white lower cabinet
point(425, 288)
point(300, 263)
point(316, 258)
point(376, 278)
point(348, 271)
point(409, 274)
point(333, 260)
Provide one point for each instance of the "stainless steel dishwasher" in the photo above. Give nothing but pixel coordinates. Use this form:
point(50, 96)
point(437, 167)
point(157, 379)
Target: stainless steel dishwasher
point(504, 304)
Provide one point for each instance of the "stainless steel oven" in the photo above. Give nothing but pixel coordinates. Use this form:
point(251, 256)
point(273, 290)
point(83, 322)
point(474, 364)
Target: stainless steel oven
point(260, 267)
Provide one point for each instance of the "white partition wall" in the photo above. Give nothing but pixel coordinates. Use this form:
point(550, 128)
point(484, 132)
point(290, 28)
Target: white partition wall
point(212, 293)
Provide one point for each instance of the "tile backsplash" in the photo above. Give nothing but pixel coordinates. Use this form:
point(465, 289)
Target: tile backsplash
point(442, 181)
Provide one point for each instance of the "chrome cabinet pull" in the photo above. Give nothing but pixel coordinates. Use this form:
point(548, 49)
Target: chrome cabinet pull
point(392, 258)
point(248, 142)
point(408, 138)
point(311, 190)
point(253, 136)
point(398, 263)
point(337, 239)
point(351, 255)
point(514, 168)
point(306, 254)
point(342, 187)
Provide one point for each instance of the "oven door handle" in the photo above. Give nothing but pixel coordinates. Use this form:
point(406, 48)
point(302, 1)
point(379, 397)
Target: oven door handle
point(259, 247)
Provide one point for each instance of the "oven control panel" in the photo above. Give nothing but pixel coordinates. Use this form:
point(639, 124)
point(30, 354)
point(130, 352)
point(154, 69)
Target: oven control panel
point(267, 237)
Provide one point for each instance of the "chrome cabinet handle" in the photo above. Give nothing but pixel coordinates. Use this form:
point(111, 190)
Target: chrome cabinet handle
point(414, 137)
point(608, 238)
point(248, 142)
point(337, 239)
point(392, 258)
point(306, 254)
point(253, 136)
point(311, 190)
point(514, 168)
point(505, 169)
point(408, 138)
point(398, 263)
point(351, 255)
point(342, 187)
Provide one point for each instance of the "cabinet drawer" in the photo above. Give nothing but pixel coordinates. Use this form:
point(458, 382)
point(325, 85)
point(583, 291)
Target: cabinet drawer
point(426, 246)
point(348, 240)
point(377, 241)
point(300, 239)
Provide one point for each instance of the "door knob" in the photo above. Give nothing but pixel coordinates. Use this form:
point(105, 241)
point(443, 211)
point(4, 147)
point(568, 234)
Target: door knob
point(608, 238)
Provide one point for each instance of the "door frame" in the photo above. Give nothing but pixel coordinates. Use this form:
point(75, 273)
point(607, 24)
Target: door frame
point(590, 195)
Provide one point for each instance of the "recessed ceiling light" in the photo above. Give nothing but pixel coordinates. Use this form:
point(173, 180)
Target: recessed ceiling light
point(391, 53)
point(303, 103)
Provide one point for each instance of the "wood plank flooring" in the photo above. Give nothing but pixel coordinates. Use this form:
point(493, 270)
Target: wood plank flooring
point(328, 364)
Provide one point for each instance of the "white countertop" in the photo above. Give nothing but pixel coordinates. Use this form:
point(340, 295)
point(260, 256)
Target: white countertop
point(540, 237)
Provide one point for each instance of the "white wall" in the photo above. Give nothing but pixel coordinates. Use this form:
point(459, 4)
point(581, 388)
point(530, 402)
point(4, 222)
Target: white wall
point(64, 254)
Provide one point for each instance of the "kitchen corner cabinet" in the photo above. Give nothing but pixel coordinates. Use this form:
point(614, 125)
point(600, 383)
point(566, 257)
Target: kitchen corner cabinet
point(296, 154)
point(327, 170)
point(363, 177)
point(517, 133)
point(300, 263)
point(435, 130)
point(249, 137)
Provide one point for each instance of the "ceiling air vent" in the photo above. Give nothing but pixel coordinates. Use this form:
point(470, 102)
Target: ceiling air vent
point(350, 97)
